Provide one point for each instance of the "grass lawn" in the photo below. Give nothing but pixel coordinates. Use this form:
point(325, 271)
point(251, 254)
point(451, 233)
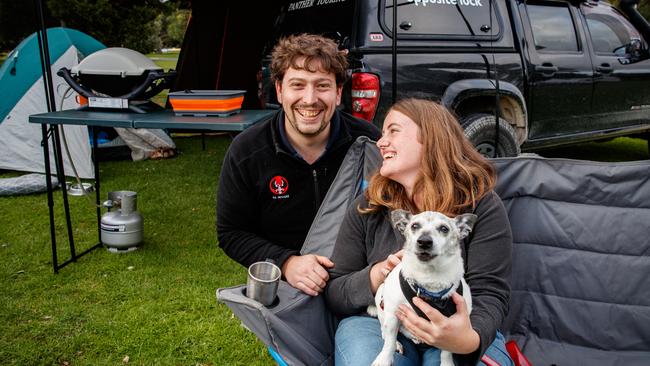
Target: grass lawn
point(156, 305)
point(168, 62)
point(618, 149)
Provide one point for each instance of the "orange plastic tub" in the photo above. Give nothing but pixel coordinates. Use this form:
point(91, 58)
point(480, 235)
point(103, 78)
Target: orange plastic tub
point(201, 103)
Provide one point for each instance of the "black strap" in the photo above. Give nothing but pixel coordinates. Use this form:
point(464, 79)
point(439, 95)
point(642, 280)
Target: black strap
point(445, 306)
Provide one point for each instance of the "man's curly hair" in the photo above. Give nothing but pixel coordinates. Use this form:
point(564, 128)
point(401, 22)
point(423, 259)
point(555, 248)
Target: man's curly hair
point(319, 53)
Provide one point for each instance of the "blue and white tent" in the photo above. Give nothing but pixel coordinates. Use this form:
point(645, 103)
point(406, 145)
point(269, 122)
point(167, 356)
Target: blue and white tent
point(22, 94)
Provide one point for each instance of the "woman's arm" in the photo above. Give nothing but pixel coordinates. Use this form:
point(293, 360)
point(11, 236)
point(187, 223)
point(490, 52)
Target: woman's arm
point(348, 290)
point(489, 262)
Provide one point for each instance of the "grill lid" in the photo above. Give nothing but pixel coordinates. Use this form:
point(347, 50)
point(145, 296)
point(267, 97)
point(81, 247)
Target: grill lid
point(119, 73)
point(115, 61)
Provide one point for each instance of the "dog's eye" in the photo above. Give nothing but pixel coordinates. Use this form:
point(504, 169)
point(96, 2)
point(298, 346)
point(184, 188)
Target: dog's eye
point(443, 229)
point(415, 226)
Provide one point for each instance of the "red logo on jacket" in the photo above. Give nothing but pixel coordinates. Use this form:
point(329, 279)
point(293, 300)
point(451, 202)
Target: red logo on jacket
point(279, 185)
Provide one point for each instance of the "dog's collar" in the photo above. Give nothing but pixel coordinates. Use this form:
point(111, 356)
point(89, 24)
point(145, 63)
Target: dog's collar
point(423, 293)
point(445, 305)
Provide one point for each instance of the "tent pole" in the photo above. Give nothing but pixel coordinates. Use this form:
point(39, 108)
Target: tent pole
point(45, 57)
point(51, 107)
point(46, 151)
point(394, 49)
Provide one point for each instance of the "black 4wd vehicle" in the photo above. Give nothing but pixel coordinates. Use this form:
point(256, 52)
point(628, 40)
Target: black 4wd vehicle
point(551, 72)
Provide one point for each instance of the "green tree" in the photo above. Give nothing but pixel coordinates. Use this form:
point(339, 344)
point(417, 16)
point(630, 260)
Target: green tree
point(643, 7)
point(116, 23)
point(17, 21)
point(176, 23)
point(143, 25)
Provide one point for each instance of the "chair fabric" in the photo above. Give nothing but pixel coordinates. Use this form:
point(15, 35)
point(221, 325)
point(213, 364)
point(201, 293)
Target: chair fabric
point(581, 260)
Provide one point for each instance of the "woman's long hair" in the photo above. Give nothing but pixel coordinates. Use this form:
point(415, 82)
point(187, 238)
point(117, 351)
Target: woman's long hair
point(454, 176)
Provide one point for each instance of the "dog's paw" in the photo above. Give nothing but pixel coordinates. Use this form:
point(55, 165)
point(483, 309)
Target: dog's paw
point(381, 360)
point(399, 348)
point(446, 359)
point(372, 311)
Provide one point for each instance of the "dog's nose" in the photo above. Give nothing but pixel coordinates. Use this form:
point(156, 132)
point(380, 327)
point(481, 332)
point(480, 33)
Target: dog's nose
point(425, 242)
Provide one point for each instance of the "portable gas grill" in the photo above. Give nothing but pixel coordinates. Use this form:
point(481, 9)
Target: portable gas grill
point(118, 78)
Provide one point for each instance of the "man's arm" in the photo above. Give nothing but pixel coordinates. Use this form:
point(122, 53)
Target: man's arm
point(237, 220)
point(237, 217)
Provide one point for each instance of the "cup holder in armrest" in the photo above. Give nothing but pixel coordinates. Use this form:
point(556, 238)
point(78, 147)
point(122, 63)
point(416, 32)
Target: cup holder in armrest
point(273, 304)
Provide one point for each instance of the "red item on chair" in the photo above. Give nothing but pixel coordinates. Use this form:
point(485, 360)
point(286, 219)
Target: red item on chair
point(516, 354)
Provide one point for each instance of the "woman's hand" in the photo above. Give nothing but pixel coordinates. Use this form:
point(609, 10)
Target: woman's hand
point(380, 270)
point(454, 333)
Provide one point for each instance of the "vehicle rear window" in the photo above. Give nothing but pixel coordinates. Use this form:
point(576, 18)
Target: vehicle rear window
point(442, 18)
point(331, 18)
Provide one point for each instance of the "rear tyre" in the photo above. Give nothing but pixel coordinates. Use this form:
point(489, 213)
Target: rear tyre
point(480, 130)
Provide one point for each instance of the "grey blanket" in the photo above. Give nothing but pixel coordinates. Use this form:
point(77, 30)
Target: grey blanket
point(25, 184)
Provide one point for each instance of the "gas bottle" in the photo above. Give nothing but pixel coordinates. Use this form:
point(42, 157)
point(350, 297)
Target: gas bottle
point(122, 225)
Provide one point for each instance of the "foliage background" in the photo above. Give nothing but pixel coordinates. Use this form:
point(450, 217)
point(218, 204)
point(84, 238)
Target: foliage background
point(142, 25)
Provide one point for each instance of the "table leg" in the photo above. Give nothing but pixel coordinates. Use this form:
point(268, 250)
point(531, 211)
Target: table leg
point(61, 177)
point(50, 196)
point(94, 153)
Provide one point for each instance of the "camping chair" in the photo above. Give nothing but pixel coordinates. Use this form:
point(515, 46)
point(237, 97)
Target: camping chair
point(580, 258)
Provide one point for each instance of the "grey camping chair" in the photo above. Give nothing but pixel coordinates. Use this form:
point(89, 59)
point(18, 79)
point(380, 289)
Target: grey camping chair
point(581, 260)
point(580, 293)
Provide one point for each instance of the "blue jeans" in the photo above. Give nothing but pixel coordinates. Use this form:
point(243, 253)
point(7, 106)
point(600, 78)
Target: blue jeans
point(358, 341)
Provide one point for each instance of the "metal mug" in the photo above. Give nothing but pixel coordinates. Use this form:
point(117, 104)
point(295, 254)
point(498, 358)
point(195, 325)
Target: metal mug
point(262, 283)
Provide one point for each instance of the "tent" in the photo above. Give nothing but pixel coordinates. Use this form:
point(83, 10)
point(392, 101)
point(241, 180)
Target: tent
point(22, 94)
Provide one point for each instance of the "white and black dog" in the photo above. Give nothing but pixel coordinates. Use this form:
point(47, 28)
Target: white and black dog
point(431, 268)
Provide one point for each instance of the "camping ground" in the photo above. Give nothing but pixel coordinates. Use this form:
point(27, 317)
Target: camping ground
point(156, 305)
point(141, 309)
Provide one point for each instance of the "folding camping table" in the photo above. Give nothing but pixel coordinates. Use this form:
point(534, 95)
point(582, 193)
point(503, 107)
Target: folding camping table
point(164, 119)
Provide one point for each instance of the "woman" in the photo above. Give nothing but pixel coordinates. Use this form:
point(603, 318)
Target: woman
point(428, 165)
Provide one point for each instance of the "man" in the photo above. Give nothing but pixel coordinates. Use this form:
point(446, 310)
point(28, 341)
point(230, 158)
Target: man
point(276, 174)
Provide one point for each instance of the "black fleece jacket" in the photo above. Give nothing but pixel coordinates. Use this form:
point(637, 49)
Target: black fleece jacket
point(268, 195)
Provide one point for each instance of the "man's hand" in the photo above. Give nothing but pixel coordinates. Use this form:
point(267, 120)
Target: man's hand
point(307, 273)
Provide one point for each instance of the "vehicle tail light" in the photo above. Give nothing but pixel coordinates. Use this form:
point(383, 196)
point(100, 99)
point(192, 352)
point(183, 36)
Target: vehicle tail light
point(365, 95)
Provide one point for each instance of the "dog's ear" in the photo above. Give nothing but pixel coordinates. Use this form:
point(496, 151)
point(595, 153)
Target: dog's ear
point(400, 218)
point(465, 223)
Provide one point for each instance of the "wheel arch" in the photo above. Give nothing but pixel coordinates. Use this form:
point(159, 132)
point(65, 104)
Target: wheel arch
point(471, 96)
